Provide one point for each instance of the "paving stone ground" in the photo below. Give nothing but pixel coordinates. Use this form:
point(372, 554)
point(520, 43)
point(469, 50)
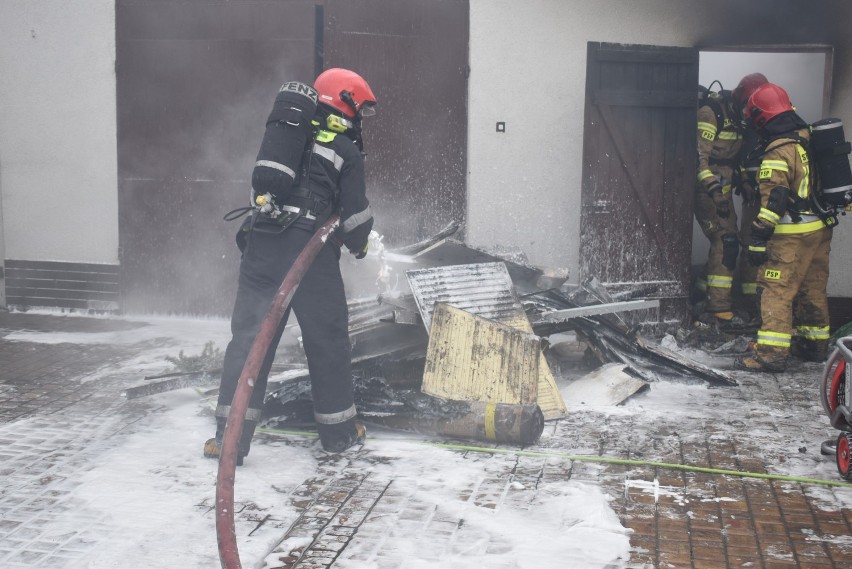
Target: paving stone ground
point(54, 422)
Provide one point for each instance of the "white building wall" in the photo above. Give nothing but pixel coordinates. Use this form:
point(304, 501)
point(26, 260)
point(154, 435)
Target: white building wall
point(58, 172)
point(528, 68)
point(58, 167)
point(840, 279)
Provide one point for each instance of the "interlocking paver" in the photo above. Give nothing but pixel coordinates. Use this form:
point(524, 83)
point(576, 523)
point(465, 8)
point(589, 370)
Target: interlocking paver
point(52, 425)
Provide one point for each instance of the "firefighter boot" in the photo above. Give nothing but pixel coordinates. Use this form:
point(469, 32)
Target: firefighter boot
point(764, 359)
point(723, 321)
point(213, 446)
point(341, 436)
point(810, 350)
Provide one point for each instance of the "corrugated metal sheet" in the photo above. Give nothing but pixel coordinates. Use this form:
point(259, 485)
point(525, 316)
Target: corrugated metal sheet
point(483, 289)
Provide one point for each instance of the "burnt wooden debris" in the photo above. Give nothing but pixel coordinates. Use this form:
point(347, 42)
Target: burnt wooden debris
point(390, 339)
point(610, 337)
point(388, 380)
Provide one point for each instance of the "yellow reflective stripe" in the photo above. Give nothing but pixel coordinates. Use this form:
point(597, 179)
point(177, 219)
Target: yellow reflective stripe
point(788, 228)
point(707, 127)
point(726, 189)
point(325, 136)
point(720, 281)
point(814, 332)
point(768, 338)
point(490, 430)
point(750, 288)
point(704, 174)
point(769, 216)
point(775, 165)
point(803, 186)
point(757, 248)
point(728, 135)
point(768, 333)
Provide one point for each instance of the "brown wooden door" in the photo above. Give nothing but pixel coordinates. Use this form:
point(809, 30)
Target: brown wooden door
point(638, 172)
point(414, 54)
point(195, 82)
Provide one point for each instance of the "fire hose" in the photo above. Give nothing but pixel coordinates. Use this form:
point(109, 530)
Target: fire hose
point(225, 532)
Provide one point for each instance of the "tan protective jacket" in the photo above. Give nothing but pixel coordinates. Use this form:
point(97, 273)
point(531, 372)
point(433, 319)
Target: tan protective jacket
point(716, 142)
point(785, 164)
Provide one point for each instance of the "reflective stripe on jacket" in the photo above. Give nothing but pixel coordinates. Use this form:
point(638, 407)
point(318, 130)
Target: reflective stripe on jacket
point(718, 143)
point(785, 164)
point(337, 174)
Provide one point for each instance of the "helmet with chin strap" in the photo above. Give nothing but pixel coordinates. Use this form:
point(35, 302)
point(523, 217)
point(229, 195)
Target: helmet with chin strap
point(346, 92)
point(767, 102)
point(747, 87)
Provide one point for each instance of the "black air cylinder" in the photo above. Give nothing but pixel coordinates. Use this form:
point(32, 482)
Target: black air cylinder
point(288, 130)
point(830, 151)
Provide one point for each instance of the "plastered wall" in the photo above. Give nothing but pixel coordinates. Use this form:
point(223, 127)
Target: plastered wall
point(528, 69)
point(58, 174)
point(528, 61)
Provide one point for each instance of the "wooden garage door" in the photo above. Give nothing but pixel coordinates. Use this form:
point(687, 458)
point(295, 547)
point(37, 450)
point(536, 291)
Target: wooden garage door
point(638, 172)
point(414, 54)
point(196, 80)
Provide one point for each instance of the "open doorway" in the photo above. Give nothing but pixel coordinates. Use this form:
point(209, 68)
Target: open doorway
point(804, 72)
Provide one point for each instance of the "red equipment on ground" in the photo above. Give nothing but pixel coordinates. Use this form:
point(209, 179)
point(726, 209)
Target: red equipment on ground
point(836, 400)
point(225, 532)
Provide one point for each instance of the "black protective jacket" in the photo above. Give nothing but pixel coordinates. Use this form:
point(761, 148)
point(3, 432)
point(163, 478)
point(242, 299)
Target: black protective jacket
point(336, 183)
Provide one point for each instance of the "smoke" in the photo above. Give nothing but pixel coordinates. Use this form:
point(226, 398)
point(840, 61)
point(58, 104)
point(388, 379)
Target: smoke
point(802, 75)
point(190, 125)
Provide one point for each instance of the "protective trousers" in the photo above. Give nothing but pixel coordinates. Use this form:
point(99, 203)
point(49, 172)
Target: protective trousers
point(724, 243)
point(748, 273)
point(320, 306)
point(792, 290)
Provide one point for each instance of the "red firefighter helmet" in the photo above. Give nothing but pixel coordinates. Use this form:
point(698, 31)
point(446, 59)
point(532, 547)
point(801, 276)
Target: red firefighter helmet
point(767, 102)
point(345, 91)
point(747, 86)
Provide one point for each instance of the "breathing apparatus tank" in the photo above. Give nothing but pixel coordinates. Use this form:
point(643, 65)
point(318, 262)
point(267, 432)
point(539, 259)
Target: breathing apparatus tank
point(285, 141)
point(830, 151)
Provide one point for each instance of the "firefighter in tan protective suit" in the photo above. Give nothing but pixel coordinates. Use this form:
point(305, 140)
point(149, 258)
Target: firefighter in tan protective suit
point(789, 243)
point(719, 144)
point(746, 303)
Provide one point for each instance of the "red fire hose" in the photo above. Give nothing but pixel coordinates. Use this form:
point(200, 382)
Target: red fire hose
point(225, 532)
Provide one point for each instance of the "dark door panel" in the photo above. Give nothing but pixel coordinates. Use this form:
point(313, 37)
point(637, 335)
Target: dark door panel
point(638, 170)
point(196, 81)
point(414, 55)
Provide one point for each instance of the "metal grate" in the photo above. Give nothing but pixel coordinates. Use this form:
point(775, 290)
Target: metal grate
point(483, 289)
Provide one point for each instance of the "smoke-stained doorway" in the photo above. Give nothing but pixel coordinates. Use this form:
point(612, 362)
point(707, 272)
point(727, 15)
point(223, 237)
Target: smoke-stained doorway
point(638, 167)
point(196, 81)
point(804, 74)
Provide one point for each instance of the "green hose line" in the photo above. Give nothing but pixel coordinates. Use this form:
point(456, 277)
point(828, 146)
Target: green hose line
point(629, 462)
point(604, 459)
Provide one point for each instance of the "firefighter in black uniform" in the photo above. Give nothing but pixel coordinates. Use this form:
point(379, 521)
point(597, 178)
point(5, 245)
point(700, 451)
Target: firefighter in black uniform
point(334, 183)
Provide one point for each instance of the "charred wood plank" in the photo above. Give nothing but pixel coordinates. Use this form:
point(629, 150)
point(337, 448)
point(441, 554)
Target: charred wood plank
point(564, 316)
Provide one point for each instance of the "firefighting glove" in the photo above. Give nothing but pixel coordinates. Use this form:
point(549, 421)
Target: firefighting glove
point(749, 193)
point(757, 254)
point(720, 200)
point(760, 235)
point(362, 253)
